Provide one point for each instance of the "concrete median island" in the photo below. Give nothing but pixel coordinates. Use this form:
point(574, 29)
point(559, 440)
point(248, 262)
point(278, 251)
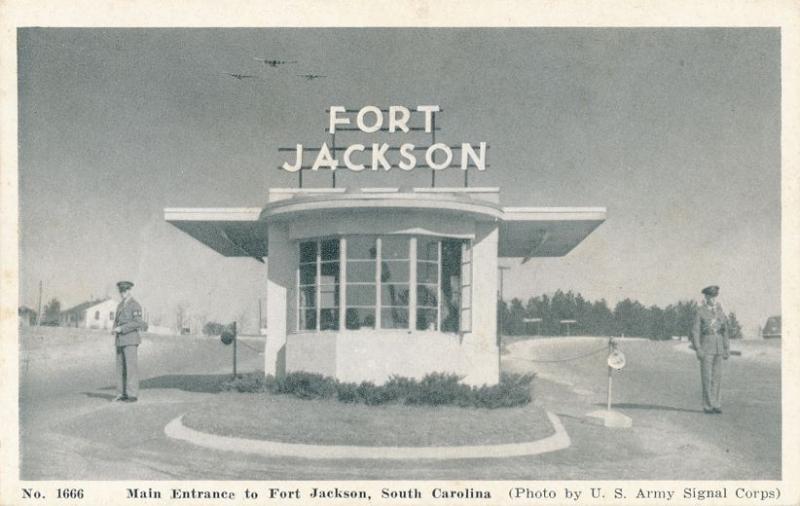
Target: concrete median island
point(279, 425)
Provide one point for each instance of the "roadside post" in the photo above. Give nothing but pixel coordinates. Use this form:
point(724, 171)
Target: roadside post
point(610, 376)
point(537, 321)
point(568, 323)
point(229, 337)
point(614, 362)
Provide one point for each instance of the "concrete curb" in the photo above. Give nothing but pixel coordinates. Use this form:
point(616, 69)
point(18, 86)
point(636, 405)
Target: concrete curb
point(558, 441)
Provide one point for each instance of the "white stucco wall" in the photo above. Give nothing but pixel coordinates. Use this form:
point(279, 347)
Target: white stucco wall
point(312, 352)
point(375, 356)
point(280, 282)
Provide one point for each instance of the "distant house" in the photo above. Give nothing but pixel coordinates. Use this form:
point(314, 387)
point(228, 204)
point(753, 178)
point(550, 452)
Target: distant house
point(94, 314)
point(27, 316)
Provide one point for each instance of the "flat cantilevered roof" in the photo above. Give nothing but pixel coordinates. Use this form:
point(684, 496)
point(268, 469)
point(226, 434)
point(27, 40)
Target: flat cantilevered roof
point(523, 231)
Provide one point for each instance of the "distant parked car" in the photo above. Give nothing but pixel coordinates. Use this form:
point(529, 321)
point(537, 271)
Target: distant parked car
point(772, 328)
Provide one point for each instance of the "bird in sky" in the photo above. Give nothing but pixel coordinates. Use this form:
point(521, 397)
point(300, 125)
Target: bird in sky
point(239, 76)
point(310, 77)
point(274, 63)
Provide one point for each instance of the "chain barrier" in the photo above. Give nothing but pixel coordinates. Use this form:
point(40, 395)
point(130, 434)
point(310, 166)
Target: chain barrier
point(248, 346)
point(604, 349)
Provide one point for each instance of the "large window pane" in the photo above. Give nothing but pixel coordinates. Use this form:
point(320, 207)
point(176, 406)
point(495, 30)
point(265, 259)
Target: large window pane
point(329, 249)
point(360, 295)
point(394, 318)
point(361, 271)
point(329, 273)
point(361, 247)
point(329, 296)
point(359, 318)
point(308, 319)
point(329, 319)
point(427, 272)
point(308, 296)
point(394, 271)
point(427, 295)
point(394, 247)
point(394, 295)
point(451, 284)
point(427, 249)
point(308, 274)
point(308, 251)
point(322, 290)
point(426, 319)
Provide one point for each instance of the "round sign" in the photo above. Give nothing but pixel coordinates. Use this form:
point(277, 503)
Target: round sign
point(616, 360)
point(227, 337)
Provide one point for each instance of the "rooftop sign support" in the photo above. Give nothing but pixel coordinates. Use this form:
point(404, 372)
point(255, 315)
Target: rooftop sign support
point(393, 120)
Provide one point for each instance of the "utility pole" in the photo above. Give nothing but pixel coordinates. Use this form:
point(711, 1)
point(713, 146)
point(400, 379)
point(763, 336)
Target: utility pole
point(234, 349)
point(39, 312)
point(501, 269)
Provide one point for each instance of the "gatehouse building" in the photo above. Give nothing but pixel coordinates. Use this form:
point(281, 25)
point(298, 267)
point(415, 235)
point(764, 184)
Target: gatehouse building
point(366, 283)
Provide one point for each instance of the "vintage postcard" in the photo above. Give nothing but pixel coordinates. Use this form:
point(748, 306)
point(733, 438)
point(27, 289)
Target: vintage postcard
point(420, 253)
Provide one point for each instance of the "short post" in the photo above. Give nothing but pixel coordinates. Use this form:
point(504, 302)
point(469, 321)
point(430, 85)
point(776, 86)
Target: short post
point(234, 349)
point(609, 418)
point(610, 349)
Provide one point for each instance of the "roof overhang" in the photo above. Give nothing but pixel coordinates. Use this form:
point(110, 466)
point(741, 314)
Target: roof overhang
point(524, 232)
point(527, 232)
point(230, 231)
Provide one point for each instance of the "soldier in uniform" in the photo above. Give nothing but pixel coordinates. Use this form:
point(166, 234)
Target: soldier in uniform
point(127, 324)
point(710, 340)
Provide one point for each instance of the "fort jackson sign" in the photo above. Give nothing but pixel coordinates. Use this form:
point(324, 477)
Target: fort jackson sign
point(370, 120)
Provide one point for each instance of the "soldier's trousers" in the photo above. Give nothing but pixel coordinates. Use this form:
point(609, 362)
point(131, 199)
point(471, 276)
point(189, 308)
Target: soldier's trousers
point(711, 375)
point(128, 370)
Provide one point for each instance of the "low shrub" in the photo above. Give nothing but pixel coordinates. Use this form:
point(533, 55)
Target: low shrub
point(373, 395)
point(438, 389)
point(248, 383)
point(435, 389)
point(400, 387)
point(307, 385)
point(347, 392)
point(513, 390)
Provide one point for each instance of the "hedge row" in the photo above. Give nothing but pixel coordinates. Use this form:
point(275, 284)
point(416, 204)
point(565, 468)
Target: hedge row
point(435, 389)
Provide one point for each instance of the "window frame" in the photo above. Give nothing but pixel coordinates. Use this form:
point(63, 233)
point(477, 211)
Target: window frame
point(413, 283)
point(375, 284)
point(317, 286)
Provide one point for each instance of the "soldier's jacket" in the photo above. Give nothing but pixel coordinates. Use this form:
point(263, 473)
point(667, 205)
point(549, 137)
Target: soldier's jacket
point(129, 319)
point(710, 330)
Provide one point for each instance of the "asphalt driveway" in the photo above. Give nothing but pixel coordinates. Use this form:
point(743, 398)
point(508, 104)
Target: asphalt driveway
point(71, 430)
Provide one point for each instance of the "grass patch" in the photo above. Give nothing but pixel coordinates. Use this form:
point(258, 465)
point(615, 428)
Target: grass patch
point(435, 389)
point(289, 419)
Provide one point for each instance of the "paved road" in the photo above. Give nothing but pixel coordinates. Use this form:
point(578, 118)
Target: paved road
point(660, 390)
point(70, 430)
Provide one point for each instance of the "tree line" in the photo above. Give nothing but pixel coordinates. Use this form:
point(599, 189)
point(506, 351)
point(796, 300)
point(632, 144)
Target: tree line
point(596, 318)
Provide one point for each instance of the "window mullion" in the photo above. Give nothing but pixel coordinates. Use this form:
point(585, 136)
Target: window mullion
point(439, 289)
point(297, 289)
point(378, 287)
point(318, 288)
point(412, 285)
point(342, 282)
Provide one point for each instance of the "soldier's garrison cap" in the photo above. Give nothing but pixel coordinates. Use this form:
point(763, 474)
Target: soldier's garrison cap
point(712, 290)
point(124, 285)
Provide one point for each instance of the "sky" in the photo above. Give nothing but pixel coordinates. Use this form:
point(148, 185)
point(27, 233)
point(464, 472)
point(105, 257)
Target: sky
point(675, 131)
